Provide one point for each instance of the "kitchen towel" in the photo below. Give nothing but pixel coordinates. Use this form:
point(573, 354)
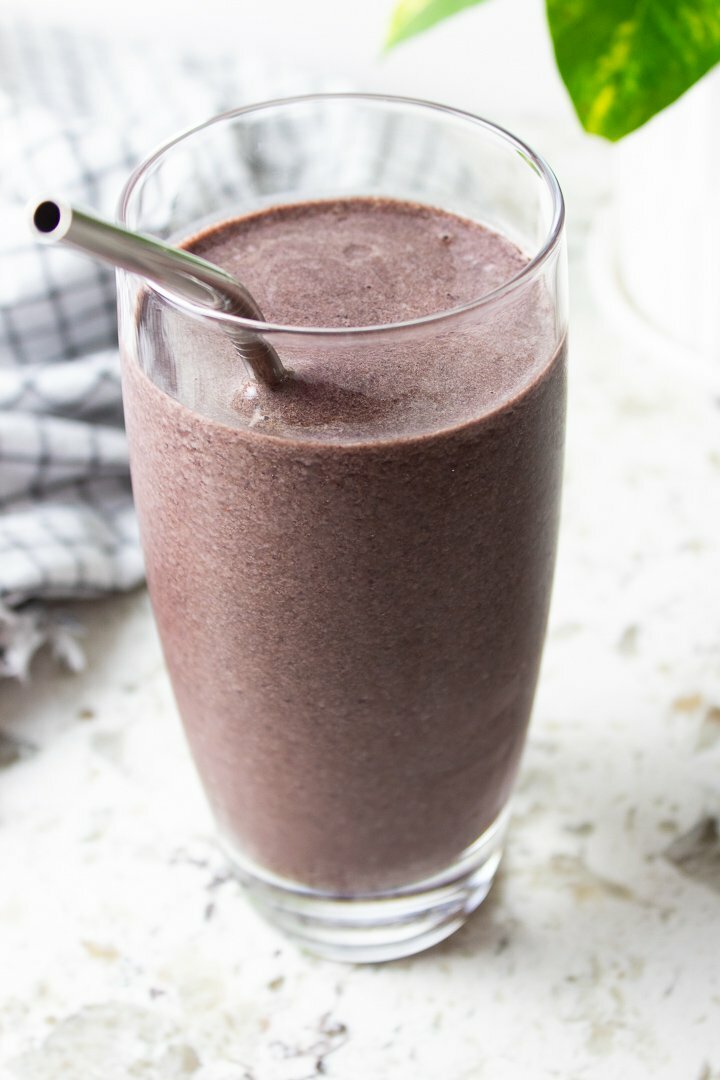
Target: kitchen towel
point(77, 113)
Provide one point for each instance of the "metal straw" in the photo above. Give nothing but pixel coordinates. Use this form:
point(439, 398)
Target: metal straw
point(171, 268)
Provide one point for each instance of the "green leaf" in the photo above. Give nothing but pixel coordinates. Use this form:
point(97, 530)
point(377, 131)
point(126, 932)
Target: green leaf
point(625, 60)
point(411, 17)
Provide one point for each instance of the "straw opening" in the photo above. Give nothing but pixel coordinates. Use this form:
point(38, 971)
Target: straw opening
point(46, 217)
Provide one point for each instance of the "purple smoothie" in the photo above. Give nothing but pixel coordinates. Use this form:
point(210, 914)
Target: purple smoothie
point(351, 574)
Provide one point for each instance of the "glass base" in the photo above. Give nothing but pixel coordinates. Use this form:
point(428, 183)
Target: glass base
point(382, 926)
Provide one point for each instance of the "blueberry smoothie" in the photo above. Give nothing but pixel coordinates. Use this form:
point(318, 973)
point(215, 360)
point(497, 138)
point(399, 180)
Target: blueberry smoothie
point(351, 574)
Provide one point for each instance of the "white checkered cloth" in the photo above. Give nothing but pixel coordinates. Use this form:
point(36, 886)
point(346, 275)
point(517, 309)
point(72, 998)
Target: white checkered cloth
point(76, 114)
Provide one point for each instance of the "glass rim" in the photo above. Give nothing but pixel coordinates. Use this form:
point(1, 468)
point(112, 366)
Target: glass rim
point(487, 301)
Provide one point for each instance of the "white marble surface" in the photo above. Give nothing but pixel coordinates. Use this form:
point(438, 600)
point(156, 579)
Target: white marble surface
point(128, 952)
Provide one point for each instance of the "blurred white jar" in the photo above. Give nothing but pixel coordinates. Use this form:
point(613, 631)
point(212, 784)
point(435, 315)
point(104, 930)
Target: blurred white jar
point(665, 221)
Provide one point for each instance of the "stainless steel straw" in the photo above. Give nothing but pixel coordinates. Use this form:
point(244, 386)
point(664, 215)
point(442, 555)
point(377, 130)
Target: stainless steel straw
point(171, 268)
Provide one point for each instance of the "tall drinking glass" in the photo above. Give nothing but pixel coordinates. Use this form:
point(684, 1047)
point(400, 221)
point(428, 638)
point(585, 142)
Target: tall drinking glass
point(351, 574)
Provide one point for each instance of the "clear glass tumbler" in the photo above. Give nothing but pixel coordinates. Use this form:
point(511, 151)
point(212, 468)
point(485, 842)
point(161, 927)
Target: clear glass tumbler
point(353, 616)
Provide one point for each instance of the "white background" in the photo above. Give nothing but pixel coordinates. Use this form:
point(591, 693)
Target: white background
point(495, 59)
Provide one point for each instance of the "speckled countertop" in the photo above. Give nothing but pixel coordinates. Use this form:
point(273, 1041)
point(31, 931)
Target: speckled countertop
point(128, 952)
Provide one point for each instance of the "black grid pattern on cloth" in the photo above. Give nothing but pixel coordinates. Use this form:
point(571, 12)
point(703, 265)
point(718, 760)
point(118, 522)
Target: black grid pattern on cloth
point(72, 123)
point(67, 525)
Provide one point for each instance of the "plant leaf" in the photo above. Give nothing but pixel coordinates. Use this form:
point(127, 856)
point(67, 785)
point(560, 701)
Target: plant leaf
point(625, 60)
point(411, 17)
